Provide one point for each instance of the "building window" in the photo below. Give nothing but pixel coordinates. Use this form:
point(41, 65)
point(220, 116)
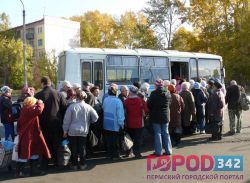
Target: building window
point(39, 42)
point(31, 43)
point(40, 30)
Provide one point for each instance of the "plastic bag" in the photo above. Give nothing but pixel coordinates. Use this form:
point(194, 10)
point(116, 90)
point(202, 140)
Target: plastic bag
point(15, 149)
point(63, 155)
point(93, 140)
point(127, 142)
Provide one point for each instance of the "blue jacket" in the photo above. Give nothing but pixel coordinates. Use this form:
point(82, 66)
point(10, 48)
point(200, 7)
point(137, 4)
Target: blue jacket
point(113, 112)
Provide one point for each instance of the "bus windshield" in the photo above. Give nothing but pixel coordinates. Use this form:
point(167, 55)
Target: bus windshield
point(122, 69)
point(208, 68)
point(152, 68)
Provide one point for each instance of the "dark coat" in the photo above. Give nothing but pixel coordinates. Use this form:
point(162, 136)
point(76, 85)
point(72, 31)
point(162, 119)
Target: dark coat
point(233, 97)
point(159, 104)
point(31, 140)
point(189, 109)
point(215, 106)
point(6, 109)
point(176, 108)
point(55, 106)
point(90, 98)
point(200, 100)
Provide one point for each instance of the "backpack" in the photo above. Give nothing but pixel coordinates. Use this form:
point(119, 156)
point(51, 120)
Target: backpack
point(16, 109)
point(244, 102)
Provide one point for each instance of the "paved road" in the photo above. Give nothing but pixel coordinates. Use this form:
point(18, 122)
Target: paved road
point(102, 170)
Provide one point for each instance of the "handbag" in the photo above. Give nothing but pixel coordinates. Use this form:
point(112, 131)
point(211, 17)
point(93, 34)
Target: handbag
point(127, 142)
point(93, 140)
point(244, 102)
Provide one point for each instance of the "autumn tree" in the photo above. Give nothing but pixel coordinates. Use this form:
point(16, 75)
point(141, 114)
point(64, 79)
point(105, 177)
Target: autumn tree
point(104, 31)
point(184, 40)
point(97, 30)
point(135, 32)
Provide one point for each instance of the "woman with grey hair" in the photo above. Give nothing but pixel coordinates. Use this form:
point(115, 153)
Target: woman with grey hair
point(189, 109)
point(144, 91)
point(124, 93)
point(76, 124)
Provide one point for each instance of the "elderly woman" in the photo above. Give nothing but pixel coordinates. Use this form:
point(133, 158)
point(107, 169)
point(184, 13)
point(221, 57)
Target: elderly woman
point(113, 120)
point(176, 108)
point(166, 83)
point(124, 93)
point(189, 109)
point(144, 91)
point(135, 108)
point(76, 124)
point(6, 112)
point(216, 104)
point(159, 103)
point(31, 144)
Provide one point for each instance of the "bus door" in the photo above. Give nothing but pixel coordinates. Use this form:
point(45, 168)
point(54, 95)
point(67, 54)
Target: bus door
point(92, 71)
point(179, 69)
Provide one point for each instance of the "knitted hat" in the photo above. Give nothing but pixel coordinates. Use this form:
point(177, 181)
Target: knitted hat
point(197, 85)
point(6, 89)
point(159, 83)
point(113, 86)
point(217, 84)
point(133, 89)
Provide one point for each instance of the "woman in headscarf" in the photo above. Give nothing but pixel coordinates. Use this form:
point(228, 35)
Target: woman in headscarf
point(189, 109)
point(176, 108)
point(32, 145)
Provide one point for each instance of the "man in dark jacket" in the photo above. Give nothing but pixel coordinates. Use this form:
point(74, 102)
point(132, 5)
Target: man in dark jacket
point(51, 119)
point(232, 99)
point(159, 116)
point(90, 97)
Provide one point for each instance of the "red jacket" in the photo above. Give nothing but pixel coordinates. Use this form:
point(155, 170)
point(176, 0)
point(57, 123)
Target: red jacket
point(136, 109)
point(31, 140)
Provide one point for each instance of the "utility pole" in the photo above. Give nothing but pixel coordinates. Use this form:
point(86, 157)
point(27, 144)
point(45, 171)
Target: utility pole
point(24, 48)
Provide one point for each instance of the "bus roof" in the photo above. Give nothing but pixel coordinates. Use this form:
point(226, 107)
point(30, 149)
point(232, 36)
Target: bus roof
point(141, 52)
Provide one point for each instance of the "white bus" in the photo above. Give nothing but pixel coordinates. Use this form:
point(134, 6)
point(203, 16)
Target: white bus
point(126, 66)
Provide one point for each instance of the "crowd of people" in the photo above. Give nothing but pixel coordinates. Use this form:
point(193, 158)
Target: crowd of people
point(172, 110)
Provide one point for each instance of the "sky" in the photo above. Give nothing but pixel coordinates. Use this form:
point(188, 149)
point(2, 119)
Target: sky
point(36, 9)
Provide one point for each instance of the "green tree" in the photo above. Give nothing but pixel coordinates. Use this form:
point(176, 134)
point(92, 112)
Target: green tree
point(11, 62)
point(11, 58)
point(165, 16)
point(45, 66)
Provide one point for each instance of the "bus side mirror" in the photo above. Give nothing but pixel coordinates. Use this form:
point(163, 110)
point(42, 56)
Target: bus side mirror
point(223, 72)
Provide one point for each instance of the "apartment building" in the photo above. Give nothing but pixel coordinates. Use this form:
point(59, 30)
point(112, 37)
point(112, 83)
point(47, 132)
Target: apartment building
point(51, 35)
